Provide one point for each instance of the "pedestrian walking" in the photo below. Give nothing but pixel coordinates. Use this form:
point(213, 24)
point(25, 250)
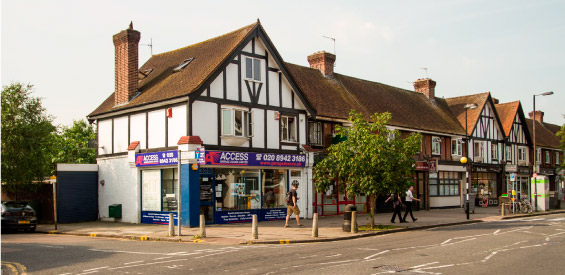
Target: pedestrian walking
point(292, 206)
point(409, 199)
point(396, 207)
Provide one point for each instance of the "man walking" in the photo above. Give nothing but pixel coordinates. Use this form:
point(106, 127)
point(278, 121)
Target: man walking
point(409, 199)
point(292, 206)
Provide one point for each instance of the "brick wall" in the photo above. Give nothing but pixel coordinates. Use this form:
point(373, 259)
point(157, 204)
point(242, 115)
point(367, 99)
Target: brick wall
point(126, 64)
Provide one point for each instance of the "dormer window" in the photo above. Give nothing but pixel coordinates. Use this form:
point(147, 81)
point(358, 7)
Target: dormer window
point(183, 65)
point(253, 69)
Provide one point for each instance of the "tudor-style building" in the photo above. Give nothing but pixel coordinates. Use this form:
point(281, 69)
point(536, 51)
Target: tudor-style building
point(438, 176)
point(516, 148)
point(485, 146)
point(230, 103)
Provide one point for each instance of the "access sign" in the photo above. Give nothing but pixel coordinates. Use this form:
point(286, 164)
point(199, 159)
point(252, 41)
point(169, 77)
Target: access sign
point(156, 159)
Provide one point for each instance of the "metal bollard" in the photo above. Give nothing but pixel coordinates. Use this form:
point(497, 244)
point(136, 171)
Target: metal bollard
point(255, 228)
point(354, 228)
point(171, 224)
point(315, 225)
point(202, 226)
point(502, 210)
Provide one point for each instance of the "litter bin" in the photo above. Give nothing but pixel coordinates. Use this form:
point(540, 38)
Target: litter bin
point(347, 217)
point(471, 202)
point(115, 211)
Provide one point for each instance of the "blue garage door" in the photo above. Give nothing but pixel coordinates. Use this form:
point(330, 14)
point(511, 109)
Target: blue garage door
point(77, 196)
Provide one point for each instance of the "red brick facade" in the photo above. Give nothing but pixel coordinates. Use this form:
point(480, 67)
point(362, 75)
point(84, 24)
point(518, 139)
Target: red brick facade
point(322, 61)
point(126, 64)
point(425, 86)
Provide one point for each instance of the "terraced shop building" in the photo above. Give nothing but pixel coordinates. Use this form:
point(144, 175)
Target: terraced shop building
point(232, 108)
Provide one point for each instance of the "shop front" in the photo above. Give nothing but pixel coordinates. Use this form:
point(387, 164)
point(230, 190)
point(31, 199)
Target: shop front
point(486, 184)
point(334, 200)
point(236, 185)
point(517, 178)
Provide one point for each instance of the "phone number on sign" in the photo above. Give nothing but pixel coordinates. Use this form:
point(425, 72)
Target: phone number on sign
point(285, 158)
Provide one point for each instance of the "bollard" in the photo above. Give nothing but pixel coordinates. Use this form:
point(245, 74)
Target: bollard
point(315, 225)
point(354, 228)
point(202, 226)
point(502, 210)
point(171, 224)
point(347, 217)
point(255, 229)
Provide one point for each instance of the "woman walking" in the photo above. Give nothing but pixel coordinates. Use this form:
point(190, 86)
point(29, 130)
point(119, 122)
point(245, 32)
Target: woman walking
point(396, 207)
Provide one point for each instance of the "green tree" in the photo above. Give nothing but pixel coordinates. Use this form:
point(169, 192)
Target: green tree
point(373, 160)
point(72, 143)
point(561, 134)
point(27, 138)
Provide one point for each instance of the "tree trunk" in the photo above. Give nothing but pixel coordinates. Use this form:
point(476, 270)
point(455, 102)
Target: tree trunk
point(372, 204)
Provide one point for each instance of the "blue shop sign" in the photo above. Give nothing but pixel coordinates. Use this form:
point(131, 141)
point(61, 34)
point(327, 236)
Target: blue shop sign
point(253, 159)
point(157, 159)
point(241, 216)
point(157, 217)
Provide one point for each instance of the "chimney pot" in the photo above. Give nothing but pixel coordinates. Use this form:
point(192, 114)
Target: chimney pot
point(322, 61)
point(126, 60)
point(425, 86)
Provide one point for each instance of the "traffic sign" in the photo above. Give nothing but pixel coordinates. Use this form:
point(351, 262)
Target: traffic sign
point(535, 175)
point(512, 177)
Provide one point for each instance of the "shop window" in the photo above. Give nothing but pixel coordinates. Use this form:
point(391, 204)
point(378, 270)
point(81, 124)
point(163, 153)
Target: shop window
point(288, 129)
point(274, 188)
point(547, 157)
point(315, 133)
point(445, 183)
point(237, 122)
point(457, 147)
point(484, 185)
point(508, 153)
point(239, 189)
point(253, 69)
point(521, 154)
point(159, 190)
point(494, 150)
point(436, 146)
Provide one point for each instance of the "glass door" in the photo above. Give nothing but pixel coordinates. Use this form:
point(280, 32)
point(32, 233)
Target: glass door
point(207, 195)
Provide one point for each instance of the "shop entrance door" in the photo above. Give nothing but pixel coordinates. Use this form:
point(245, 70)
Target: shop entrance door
point(420, 189)
point(343, 200)
point(207, 193)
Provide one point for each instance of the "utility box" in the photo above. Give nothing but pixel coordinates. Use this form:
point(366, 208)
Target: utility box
point(115, 211)
point(540, 184)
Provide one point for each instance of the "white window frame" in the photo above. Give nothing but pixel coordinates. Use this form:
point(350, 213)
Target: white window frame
point(522, 154)
point(457, 144)
point(508, 152)
point(538, 155)
point(254, 62)
point(547, 157)
point(494, 150)
point(246, 124)
point(557, 160)
point(436, 144)
point(284, 118)
point(480, 151)
point(315, 133)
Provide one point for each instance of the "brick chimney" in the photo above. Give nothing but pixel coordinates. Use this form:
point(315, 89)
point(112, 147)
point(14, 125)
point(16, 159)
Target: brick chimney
point(322, 61)
point(425, 86)
point(126, 64)
point(537, 116)
point(495, 100)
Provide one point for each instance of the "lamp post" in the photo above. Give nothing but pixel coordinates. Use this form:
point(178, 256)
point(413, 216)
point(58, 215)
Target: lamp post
point(464, 159)
point(535, 152)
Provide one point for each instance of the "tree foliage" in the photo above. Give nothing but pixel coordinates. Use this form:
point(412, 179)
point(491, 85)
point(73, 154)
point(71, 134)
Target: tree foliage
point(561, 134)
point(27, 136)
point(373, 160)
point(72, 144)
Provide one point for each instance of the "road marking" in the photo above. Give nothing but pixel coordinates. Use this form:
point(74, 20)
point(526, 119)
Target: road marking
point(145, 253)
point(434, 267)
point(446, 241)
point(333, 255)
point(496, 232)
point(162, 258)
point(382, 252)
point(369, 248)
point(136, 262)
point(339, 262)
point(92, 269)
point(533, 220)
point(422, 265)
point(51, 246)
point(162, 262)
point(557, 219)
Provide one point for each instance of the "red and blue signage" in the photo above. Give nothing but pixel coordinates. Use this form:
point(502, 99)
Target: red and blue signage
point(253, 159)
point(157, 159)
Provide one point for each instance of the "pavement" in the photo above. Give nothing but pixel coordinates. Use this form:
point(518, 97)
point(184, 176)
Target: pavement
point(274, 232)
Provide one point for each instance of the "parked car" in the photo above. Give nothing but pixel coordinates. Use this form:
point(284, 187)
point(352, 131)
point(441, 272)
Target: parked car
point(18, 215)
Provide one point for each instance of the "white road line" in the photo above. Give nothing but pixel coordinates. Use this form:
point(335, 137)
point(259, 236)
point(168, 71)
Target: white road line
point(465, 240)
point(422, 265)
point(146, 253)
point(382, 252)
point(213, 254)
point(434, 267)
point(557, 219)
point(496, 232)
point(333, 255)
point(489, 256)
point(533, 220)
point(535, 245)
point(449, 240)
point(162, 258)
point(136, 262)
point(339, 262)
point(161, 262)
point(92, 269)
point(311, 256)
point(364, 248)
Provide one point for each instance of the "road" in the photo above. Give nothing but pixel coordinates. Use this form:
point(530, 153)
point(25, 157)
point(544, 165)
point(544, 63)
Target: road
point(520, 246)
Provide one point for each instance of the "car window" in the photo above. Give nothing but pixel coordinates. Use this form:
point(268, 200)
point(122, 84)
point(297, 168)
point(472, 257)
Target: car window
point(13, 204)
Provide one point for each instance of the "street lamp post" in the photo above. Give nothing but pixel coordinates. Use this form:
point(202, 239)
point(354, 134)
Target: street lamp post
point(535, 152)
point(465, 160)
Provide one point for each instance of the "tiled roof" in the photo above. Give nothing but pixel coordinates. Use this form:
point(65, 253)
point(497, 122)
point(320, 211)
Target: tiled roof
point(457, 105)
point(335, 96)
point(545, 134)
point(507, 113)
point(162, 83)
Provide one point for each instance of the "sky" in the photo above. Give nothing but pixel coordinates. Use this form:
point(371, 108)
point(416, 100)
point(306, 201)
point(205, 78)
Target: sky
point(513, 49)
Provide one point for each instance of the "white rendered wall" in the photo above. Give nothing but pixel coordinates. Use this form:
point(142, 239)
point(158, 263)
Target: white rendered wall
point(286, 94)
point(231, 82)
point(205, 121)
point(120, 187)
point(176, 125)
point(137, 130)
point(104, 136)
point(121, 134)
point(272, 131)
point(217, 86)
point(273, 88)
point(302, 120)
point(156, 129)
point(258, 128)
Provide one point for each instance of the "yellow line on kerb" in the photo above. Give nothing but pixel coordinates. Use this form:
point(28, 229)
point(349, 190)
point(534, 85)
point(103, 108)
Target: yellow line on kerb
point(144, 238)
point(284, 241)
point(92, 234)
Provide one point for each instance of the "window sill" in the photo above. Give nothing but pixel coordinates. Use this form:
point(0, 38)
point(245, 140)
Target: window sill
point(253, 80)
point(234, 137)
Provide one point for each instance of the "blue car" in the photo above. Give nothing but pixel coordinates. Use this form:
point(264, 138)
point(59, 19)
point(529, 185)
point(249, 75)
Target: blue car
point(18, 215)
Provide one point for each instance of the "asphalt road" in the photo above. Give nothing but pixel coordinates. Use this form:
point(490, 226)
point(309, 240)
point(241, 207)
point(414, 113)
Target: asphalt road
point(525, 246)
